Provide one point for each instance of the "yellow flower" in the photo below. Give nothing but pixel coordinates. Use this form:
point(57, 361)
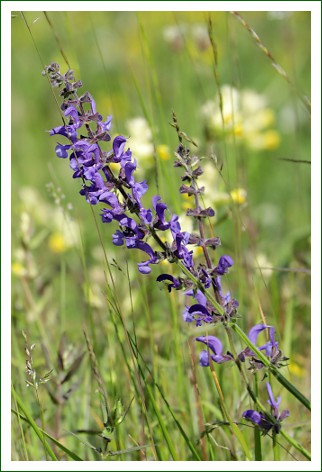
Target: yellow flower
point(242, 114)
point(268, 140)
point(163, 152)
point(296, 369)
point(197, 251)
point(18, 269)
point(271, 139)
point(239, 196)
point(238, 131)
point(56, 243)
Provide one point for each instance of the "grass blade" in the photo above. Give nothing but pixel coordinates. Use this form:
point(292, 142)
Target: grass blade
point(33, 425)
point(162, 425)
point(67, 451)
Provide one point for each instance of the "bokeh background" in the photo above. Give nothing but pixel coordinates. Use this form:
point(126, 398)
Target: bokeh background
point(141, 67)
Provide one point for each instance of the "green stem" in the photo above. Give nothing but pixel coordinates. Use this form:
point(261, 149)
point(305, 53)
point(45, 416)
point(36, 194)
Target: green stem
point(42, 420)
point(295, 444)
point(233, 426)
point(276, 450)
point(257, 435)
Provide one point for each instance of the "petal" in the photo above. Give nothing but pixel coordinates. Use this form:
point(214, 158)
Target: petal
point(201, 298)
point(197, 308)
point(274, 403)
point(174, 282)
point(187, 317)
point(139, 189)
point(118, 238)
point(144, 268)
point(204, 359)
point(212, 342)
point(118, 146)
point(253, 416)
point(284, 414)
point(254, 332)
point(223, 264)
point(155, 201)
point(61, 150)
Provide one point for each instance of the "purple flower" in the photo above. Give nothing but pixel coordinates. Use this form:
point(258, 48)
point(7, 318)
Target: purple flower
point(134, 243)
point(138, 190)
point(129, 168)
point(118, 238)
point(270, 347)
point(214, 345)
point(224, 263)
point(107, 215)
point(175, 225)
point(180, 250)
point(259, 419)
point(69, 131)
point(146, 216)
point(263, 421)
point(61, 150)
point(170, 281)
point(198, 312)
point(160, 208)
point(73, 113)
point(105, 125)
point(118, 147)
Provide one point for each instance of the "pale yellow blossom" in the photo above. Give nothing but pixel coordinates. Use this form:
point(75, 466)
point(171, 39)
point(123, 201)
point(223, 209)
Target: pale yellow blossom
point(245, 117)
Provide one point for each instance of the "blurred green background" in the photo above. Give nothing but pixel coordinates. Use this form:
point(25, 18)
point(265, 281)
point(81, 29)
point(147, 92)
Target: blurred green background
point(147, 65)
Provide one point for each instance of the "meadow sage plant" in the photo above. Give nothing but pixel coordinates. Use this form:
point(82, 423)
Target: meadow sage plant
point(120, 195)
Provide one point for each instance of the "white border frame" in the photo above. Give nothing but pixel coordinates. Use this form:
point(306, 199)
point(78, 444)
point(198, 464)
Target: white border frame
point(6, 9)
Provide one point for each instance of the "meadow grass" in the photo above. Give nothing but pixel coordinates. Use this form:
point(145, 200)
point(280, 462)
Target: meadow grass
point(126, 382)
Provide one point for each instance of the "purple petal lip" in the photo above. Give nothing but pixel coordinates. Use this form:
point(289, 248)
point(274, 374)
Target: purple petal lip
point(212, 342)
point(274, 403)
point(197, 308)
point(254, 332)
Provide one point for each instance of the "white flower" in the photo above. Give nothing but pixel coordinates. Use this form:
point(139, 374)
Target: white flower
point(245, 116)
point(140, 140)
